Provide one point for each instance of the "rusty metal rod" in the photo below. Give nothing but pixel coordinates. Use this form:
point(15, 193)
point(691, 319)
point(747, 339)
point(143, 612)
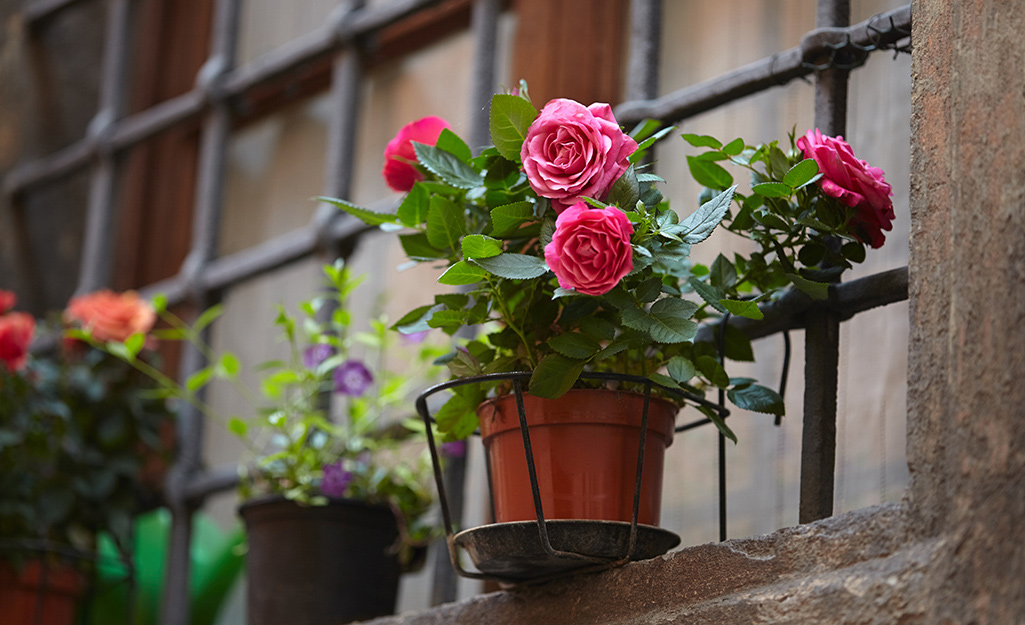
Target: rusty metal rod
point(769, 72)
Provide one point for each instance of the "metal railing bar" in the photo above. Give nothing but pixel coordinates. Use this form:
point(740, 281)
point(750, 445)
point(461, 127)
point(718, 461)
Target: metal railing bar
point(252, 262)
point(645, 46)
point(822, 325)
point(846, 299)
point(142, 125)
point(218, 479)
point(206, 221)
point(39, 10)
point(97, 248)
point(319, 44)
point(766, 73)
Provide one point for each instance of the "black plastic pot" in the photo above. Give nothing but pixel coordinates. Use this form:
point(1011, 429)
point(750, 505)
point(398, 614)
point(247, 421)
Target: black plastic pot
point(319, 565)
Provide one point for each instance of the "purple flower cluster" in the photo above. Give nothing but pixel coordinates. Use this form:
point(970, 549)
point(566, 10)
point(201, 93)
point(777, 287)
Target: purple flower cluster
point(352, 378)
point(316, 354)
point(336, 479)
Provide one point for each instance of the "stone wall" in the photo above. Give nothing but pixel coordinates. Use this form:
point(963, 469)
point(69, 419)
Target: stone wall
point(953, 551)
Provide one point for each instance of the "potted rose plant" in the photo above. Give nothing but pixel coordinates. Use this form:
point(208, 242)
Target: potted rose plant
point(573, 263)
point(78, 436)
point(334, 509)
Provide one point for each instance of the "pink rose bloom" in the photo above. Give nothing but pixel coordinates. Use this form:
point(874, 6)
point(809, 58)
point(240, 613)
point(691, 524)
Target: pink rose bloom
point(7, 301)
point(399, 170)
point(854, 182)
point(111, 316)
point(572, 151)
point(16, 331)
point(590, 250)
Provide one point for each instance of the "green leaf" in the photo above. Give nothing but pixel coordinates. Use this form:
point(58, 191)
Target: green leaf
point(702, 141)
point(208, 317)
point(555, 375)
point(511, 117)
point(367, 216)
point(462, 273)
point(228, 365)
point(681, 369)
point(757, 398)
point(625, 190)
point(418, 247)
point(413, 210)
point(575, 345)
point(709, 174)
point(481, 246)
point(450, 142)
point(135, 343)
point(514, 266)
point(648, 291)
point(801, 174)
point(445, 223)
point(709, 293)
point(699, 225)
point(668, 321)
point(198, 379)
point(738, 345)
point(772, 189)
point(816, 290)
point(854, 252)
point(733, 148)
point(598, 328)
point(159, 303)
point(237, 426)
point(447, 166)
point(638, 154)
point(416, 320)
point(507, 219)
point(663, 380)
point(742, 308)
point(457, 418)
point(711, 369)
point(723, 274)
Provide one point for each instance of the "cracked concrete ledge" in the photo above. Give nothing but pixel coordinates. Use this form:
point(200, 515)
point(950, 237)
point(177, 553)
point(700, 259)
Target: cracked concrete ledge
point(792, 575)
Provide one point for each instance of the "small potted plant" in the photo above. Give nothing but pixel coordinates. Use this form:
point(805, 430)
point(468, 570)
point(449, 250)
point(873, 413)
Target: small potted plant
point(334, 508)
point(78, 431)
point(574, 264)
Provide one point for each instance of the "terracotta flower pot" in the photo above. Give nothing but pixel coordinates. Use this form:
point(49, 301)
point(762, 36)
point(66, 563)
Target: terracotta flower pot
point(319, 565)
point(585, 452)
point(32, 596)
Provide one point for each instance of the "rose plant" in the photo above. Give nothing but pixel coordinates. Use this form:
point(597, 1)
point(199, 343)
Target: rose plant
point(79, 430)
point(293, 448)
point(573, 261)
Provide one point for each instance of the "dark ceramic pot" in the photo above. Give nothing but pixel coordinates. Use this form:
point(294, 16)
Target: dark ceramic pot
point(319, 565)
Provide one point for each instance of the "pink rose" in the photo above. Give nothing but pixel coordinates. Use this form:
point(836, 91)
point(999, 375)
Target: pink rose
point(16, 330)
point(854, 182)
point(7, 301)
point(590, 250)
point(399, 170)
point(111, 316)
point(572, 151)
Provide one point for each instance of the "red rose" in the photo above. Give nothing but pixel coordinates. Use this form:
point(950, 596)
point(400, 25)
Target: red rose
point(111, 316)
point(590, 250)
point(7, 301)
point(854, 183)
point(399, 155)
point(16, 331)
point(572, 150)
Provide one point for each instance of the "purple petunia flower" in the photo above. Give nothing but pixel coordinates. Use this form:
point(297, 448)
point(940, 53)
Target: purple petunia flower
point(335, 480)
point(454, 449)
point(415, 338)
point(352, 378)
point(316, 354)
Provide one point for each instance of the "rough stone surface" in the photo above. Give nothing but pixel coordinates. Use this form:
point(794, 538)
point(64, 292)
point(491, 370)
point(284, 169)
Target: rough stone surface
point(954, 551)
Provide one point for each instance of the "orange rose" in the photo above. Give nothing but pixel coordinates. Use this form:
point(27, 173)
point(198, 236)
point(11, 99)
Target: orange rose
point(16, 330)
point(7, 301)
point(111, 316)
